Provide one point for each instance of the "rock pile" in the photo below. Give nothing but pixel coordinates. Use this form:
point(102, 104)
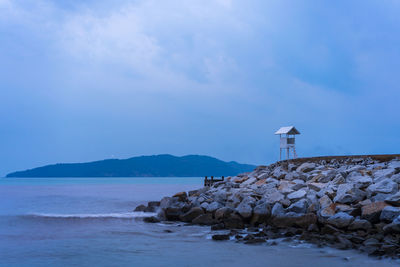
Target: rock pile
point(348, 203)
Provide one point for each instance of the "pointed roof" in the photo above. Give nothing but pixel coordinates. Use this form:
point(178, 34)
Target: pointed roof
point(287, 130)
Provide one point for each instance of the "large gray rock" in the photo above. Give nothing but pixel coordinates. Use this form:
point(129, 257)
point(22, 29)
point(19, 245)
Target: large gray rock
point(245, 210)
point(292, 219)
point(234, 221)
point(191, 214)
point(223, 213)
point(249, 181)
point(340, 220)
point(393, 227)
point(297, 195)
point(273, 197)
point(306, 167)
point(325, 201)
point(384, 173)
point(294, 175)
point(372, 212)
point(221, 196)
point(360, 224)
point(327, 176)
point(393, 199)
point(204, 219)
point(348, 193)
point(299, 206)
point(389, 213)
point(394, 164)
point(360, 181)
point(278, 173)
point(204, 205)
point(277, 210)
point(261, 213)
point(396, 178)
point(316, 186)
point(384, 186)
point(213, 207)
point(285, 187)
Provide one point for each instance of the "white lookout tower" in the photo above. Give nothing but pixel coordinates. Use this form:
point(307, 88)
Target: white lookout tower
point(287, 138)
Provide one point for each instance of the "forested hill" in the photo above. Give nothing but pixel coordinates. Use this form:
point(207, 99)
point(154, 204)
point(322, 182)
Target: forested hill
point(143, 166)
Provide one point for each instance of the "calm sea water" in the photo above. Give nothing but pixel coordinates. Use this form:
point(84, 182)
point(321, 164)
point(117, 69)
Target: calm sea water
point(89, 222)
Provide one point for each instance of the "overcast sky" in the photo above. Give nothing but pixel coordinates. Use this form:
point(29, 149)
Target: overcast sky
point(95, 79)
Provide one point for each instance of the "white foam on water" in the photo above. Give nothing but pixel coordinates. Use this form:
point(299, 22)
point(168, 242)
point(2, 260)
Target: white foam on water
point(125, 215)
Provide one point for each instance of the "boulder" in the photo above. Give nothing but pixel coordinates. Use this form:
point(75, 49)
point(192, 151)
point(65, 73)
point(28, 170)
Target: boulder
point(325, 201)
point(384, 173)
point(213, 207)
point(299, 206)
point(380, 197)
point(348, 193)
point(223, 213)
point(360, 181)
point(278, 173)
point(298, 184)
point(249, 181)
point(306, 167)
point(285, 187)
point(316, 186)
point(245, 210)
point(173, 213)
point(394, 199)
point(167, 201)
point(191, 214)
point(277, 210)
point(297, 195)
point(339, 179)
point(182, 196)
point(384, 186)
point(327, 212)
point(204, 205)
point(261, 213)
point(241, 179)
point(233, 221)
point(389, 213)
point(340, 220)
point(293, 176)
point(292, 219)
point(393, 228)
point(261, 182)
point(140, 208)
point(372, 212)
point(273, 197)
point(204, 219)
point(360, 224)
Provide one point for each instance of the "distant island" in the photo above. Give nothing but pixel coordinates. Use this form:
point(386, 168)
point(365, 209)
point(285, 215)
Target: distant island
point(143, 166)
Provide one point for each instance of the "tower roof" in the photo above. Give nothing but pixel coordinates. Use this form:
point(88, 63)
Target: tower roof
point(287, 130)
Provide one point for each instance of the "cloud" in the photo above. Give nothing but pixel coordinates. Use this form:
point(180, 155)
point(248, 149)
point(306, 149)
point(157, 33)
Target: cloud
point(118, 38)
point(198, 76)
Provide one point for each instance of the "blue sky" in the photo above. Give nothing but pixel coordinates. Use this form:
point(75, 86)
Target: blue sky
point(87, 80)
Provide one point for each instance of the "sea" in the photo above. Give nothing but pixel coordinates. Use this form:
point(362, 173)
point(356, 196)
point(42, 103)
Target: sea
point(90, 222)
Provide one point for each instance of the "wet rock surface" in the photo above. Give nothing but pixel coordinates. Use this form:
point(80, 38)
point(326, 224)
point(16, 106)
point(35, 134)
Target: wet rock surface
point(347, 203)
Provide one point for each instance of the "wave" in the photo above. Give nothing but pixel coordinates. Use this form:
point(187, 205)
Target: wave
point(126, 215)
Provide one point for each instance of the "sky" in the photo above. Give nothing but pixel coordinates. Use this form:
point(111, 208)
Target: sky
point(94, 79)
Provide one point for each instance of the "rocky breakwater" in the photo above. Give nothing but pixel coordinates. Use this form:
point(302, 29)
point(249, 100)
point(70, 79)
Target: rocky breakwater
point(346, 203)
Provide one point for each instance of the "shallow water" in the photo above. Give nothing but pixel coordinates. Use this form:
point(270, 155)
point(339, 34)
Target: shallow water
point(89, 221)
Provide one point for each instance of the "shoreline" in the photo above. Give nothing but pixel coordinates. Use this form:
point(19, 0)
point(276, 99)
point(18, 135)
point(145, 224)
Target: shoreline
point(343, 202)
